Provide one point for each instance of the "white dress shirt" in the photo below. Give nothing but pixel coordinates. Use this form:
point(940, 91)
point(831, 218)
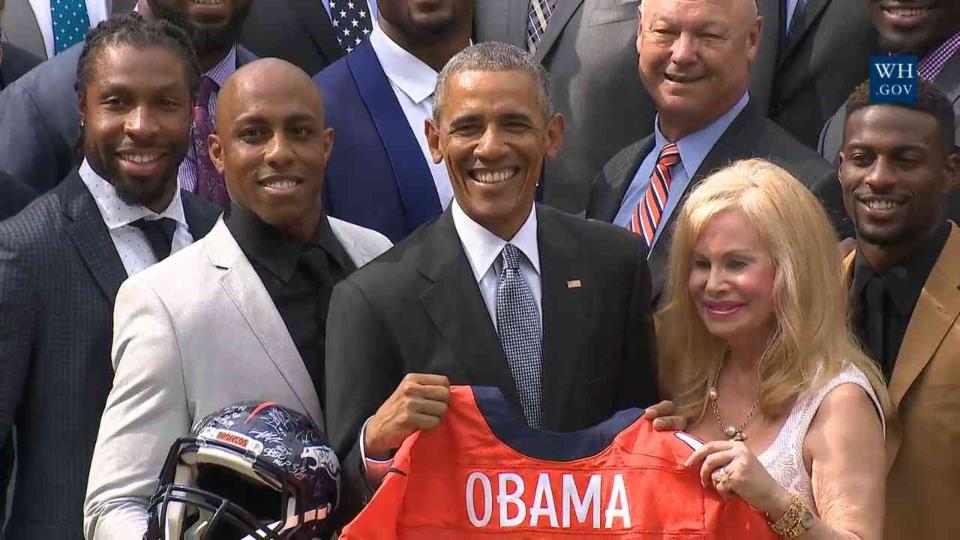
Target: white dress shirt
point(131, 242)
point(97, 11)
point(413, 83)
point(483, 252)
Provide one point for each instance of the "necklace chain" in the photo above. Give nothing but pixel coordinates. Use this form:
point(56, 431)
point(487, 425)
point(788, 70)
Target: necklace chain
point(731, 432)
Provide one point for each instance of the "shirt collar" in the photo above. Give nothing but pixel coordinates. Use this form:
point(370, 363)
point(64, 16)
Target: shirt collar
point(276, 251)
point(224, 69)
point(694, 147)
point(118, 213)
point(903, 282)
point(483, 247)
point(410, 74)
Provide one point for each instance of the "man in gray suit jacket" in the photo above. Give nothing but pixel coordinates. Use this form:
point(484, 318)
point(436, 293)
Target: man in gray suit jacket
point(240, 315)
point(706, 119)
point(40, 120)
point(63, 258)
point(23, 28)
point(589, 50)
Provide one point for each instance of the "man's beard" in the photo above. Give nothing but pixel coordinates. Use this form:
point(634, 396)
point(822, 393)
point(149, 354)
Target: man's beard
point(204, 39)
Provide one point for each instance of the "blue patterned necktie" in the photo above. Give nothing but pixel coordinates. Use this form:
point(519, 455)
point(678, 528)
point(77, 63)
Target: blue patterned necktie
point(518, 325)
point(70, 23)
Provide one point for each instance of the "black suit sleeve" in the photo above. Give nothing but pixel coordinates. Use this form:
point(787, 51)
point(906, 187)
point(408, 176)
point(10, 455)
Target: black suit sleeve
point(18, 320)
point(638, 385)
point(361, 373)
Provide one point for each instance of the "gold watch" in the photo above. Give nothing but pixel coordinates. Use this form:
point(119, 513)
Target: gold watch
point(795, 521)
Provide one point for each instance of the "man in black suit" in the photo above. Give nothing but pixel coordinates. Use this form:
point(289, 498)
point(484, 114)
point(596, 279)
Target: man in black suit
point(552, 309)
point(706, 119)
point(63, 259)
point(298, 31)
point(40, 119)
point(812, 54)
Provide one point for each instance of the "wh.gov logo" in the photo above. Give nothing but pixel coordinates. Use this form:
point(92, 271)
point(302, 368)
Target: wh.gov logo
point(893, 79)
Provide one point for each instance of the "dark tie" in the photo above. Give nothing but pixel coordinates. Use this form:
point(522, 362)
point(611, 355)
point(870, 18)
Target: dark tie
point(796, 22)
point(351, 20)
point(875, 305)
point(159, 233)
point(210, 184)
point(518, 325)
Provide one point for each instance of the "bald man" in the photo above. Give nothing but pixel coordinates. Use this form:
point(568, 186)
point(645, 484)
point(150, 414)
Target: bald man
point(238, 316)
point(695, 58)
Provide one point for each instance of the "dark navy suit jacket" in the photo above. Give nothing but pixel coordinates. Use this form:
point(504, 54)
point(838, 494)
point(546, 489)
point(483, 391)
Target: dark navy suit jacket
point(377, 176)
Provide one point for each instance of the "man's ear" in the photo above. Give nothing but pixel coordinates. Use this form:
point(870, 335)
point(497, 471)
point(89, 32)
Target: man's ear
point(433, 140)
point(82, 107)
point(952, 170)
point(216, 152)
point(555, 128)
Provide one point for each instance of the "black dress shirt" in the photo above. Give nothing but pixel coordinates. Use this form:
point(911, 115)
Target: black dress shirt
point(883, 302)
point(298, 277)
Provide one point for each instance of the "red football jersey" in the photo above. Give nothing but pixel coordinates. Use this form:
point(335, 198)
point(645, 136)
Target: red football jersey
point(482, 473)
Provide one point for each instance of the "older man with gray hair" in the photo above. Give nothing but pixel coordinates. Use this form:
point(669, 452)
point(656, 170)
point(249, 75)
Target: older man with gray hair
point(695, 59)
point(495, 292)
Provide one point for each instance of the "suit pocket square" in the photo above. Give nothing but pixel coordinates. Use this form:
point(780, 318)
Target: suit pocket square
point(574, 284)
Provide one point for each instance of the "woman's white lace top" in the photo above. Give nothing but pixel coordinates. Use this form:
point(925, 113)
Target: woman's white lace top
point(784, 458)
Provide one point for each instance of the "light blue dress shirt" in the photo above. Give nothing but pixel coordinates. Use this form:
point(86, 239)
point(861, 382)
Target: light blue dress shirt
point(372, 4)
point(693, 150)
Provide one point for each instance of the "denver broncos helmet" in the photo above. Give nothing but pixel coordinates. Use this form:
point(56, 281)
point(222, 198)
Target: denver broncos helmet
point(248, 471)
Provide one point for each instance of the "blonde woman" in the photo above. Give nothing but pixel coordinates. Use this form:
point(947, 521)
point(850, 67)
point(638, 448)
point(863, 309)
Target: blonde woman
point(757, 355)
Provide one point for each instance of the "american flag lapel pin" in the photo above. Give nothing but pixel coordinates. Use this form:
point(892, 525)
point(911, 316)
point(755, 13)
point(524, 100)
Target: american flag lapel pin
point(574, 284)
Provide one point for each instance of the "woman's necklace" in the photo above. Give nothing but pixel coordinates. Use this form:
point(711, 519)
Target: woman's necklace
point(731, 432)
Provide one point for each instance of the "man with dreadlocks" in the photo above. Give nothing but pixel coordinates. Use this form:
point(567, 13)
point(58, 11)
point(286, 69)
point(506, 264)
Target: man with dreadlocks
point(63, 259)
point(40, 120)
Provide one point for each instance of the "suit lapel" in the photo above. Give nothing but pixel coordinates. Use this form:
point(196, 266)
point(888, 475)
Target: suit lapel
point(90, 235)
point(456, 307)
point(314, 18)
point(936, 312)
point(810, 16)
point(620, 179)
point(242, 284)
point(410, 169)
point(562, 310)
point(558, 21)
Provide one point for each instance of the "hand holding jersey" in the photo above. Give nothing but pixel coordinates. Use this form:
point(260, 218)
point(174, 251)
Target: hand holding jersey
point(419, 402)
point(731, 468)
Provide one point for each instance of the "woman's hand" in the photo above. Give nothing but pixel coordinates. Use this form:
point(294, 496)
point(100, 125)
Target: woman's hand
point(664, 417)
point(732, 469)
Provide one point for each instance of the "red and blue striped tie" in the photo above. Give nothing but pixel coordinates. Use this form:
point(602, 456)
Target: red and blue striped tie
point(647, 214)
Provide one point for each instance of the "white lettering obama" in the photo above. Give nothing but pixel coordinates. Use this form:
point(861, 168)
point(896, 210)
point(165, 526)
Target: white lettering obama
point(555, 503)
